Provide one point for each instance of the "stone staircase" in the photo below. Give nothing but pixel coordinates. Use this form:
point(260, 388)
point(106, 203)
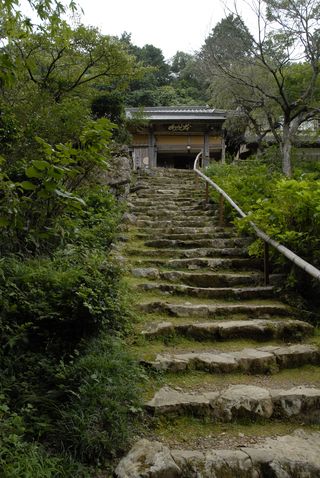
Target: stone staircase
point(234, 374)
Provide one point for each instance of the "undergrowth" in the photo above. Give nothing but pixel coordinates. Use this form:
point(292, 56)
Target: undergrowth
point(70, 393)
point(286, 209)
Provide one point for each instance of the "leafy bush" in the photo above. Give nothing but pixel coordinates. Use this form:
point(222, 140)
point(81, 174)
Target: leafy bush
point(22, 459)
point(39, 192)
point(286, 209)
point(50, 308)
point(102, 401)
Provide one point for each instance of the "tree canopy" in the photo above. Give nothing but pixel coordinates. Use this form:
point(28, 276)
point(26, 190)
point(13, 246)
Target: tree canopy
point(271, 73)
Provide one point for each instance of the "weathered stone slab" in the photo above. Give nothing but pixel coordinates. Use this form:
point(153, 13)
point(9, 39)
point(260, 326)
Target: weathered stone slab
point(211, 279)
point(262, 360)
point(298, 401)
point(241, 401)
point(147, 272)
point(213, 264)
point(259, 329)
point(205, 310)
point(294, 355)
point(245, 293)
point(148, 459)
point(289, 456)
point(168, 400)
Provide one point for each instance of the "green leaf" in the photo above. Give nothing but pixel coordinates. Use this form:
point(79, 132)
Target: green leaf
point(28, 186)
point(50, 186)
point(32, 172)
point(66, 195)
point(43, 194)
point(41, 165)
point(4, 222)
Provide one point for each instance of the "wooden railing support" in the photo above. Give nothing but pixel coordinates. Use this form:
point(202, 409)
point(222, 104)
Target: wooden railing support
point(207, 193)
point(266, 264)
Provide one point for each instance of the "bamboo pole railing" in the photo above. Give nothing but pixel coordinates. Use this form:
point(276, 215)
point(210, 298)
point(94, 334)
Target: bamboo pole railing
point(298, 261)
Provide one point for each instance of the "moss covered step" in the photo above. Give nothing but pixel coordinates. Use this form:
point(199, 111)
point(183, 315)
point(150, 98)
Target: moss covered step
point(209, 292)
point(214, 263)
point(258, 329)
point(240, 401)
point(169, 206)
point(194, 222)
point(187, 309)
point(144, 204)
point(172, 229)
point(175, 215)
point(260, 360)
point(201, 279)
point(188, 253)
point(197, 243)
point(179, 198)
point(164, 235)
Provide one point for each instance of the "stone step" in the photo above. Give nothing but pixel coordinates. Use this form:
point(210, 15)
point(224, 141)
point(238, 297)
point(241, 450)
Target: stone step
point(257, 329)
point(262, 360)
point(215, 310)
point(289, 456)
point(240, 293)
point(183, 184)
point(201, 279)
point(188, 253)
point(213, 264)
point(164, 181)
point(185, 237)
point(176, 196)
point(240, 402)
point(203, 218)
point(136, 201)
point(172, 229)
point(175, 215)
point(167, 208)
point(197, 243)
point(194, 222)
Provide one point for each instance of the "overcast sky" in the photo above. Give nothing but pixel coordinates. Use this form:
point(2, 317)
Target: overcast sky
point(171, 25)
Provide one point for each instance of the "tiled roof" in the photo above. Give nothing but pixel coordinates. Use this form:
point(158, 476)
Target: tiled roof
point(178, 113)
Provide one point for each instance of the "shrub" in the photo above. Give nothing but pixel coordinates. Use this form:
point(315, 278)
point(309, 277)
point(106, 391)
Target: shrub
point(22, 459)
point(286, 209)
point(73, 389)
point(102, 401)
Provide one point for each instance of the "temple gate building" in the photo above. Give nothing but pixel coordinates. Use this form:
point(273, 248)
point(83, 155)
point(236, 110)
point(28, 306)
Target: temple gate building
point(172, 136)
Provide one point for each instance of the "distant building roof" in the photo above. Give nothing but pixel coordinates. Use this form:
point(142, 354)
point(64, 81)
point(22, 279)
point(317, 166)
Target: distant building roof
point(178, 113)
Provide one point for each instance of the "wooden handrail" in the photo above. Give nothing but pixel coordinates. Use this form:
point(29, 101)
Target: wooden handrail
point(306, 266)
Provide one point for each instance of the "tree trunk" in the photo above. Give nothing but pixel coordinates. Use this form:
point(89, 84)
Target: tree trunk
point(286, 151)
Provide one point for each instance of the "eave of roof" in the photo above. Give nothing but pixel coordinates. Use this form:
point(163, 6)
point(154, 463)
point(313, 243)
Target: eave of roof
point(178, 113)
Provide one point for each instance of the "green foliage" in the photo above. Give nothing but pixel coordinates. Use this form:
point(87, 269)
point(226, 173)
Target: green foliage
point(54, 302)
point(50, 308)
point(22, 459)
point(246, 182)
point(286, 209)
point(67, 385)
point(29, 208)
point(102, 403)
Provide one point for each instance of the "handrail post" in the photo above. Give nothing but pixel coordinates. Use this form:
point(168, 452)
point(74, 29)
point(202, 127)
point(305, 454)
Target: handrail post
point(221, 210)
point(266, 264)
point(207, 193)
